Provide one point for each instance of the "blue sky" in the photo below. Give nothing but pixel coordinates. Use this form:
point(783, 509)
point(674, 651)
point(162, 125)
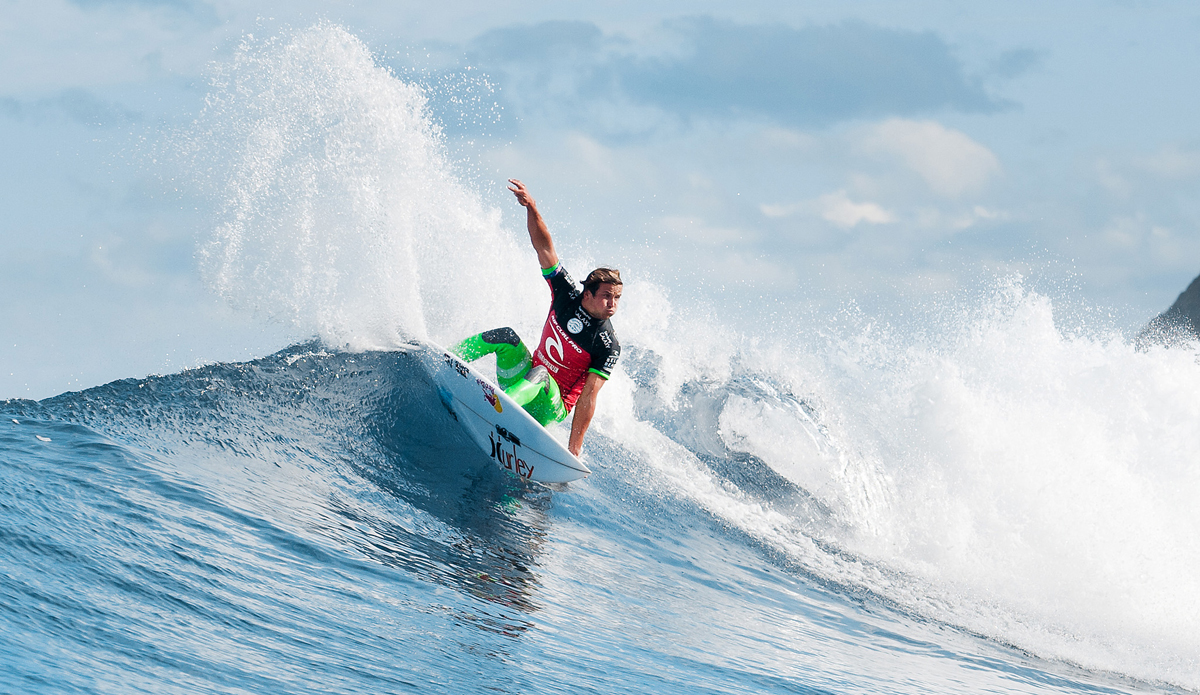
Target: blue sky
point(776, 156)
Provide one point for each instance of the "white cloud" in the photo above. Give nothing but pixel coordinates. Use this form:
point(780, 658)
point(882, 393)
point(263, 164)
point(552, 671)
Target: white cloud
point(1112, 180)
point(754, 269)
point(1172, 162)
point(949, 161)
point(695, 230)
point(933, 218)
point(775, 138)
point(777, 211)
point(835, 208)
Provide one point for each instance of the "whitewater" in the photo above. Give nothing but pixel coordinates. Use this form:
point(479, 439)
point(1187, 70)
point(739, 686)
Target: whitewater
point(999, 499)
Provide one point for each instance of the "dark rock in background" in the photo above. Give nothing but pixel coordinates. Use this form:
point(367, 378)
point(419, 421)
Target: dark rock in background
point(1178, 325)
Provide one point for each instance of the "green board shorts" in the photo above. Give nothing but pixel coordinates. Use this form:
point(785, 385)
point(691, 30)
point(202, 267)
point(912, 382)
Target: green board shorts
point(533, 389)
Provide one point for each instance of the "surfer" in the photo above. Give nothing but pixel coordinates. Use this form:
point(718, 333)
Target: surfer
point(578, 348)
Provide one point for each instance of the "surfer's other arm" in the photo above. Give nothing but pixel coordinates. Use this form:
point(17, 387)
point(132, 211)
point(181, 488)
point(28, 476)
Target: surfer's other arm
point(539, 234)
point(585, 408)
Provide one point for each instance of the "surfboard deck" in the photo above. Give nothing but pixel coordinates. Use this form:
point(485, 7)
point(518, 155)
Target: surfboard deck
point(502, 429)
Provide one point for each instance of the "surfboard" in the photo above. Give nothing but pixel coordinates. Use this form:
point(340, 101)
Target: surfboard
point(502, 429)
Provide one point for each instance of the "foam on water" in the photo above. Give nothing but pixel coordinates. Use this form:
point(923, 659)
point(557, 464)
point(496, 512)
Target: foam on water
point(994, 473)
point(1052, 475)
point(1002, 475)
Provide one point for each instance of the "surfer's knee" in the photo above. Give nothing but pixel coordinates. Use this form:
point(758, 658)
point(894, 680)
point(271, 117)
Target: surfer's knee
point(499, 336)
point(538, 375)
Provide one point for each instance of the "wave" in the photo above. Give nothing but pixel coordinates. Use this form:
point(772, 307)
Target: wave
point(993, 472)
point(323, 460)
point(988, 471)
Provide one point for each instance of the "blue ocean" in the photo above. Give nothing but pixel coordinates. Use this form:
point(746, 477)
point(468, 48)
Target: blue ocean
point(994, 494)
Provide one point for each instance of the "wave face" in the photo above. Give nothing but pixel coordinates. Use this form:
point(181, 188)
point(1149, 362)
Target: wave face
point(991, 503)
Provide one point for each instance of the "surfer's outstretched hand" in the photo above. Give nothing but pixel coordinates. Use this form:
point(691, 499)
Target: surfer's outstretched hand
point(521, 192)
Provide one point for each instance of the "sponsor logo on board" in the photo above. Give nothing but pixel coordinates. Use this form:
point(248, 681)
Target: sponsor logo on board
point(490, 394)
point(508, 435)
point(509, 457)
point(458, 366)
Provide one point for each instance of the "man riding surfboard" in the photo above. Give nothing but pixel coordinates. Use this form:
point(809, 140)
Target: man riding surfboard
point(578, 348)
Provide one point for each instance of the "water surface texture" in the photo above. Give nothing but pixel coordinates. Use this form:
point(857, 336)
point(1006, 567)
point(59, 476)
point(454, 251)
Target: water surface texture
point(989, 502)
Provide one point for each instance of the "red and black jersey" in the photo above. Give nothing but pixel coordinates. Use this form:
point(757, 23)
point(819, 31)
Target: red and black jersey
point(573, 343)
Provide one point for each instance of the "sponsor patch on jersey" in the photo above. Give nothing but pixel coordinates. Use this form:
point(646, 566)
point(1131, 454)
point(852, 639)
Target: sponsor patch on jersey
point(573, 292)
point(574, 325)
point(606, 339)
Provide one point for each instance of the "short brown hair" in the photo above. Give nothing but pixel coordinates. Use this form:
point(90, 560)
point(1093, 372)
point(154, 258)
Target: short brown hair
point(599, 276)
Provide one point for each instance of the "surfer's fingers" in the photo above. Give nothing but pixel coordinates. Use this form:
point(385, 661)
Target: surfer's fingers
point(521, 192)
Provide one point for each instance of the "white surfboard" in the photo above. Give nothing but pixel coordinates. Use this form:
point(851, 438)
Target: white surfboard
point(502, 429)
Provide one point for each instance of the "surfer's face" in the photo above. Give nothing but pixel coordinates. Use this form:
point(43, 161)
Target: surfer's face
point(602, 304)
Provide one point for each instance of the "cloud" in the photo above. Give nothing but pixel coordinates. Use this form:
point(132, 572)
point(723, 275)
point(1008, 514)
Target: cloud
point(1112, 180)
point(950, 162)
point(540, 43)
point(835, 208)
point(956, 221)
point(1015, 63)
point(838, 209)
point(807, 76)
point(1172, 161)
point(694, 230)
point(708, 68)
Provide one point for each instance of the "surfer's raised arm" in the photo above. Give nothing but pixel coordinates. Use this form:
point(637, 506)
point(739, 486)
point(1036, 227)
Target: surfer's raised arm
point(539, 234)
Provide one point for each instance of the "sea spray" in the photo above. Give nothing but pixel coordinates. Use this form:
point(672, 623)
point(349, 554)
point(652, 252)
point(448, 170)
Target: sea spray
point(1052, 475)
point(338, 210)
point(992, 472)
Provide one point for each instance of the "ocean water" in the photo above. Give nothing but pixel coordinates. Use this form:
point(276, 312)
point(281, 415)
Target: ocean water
point(993, 503)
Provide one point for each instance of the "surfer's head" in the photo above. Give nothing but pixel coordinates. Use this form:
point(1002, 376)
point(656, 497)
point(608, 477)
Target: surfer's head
point(602, 292)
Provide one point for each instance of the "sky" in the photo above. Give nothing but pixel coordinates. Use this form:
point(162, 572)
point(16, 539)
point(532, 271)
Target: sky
point(772, 158)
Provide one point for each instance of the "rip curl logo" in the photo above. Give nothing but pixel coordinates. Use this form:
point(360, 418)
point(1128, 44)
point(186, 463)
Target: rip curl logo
point(490, 394)
point(509, 458)
point(554, 345)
